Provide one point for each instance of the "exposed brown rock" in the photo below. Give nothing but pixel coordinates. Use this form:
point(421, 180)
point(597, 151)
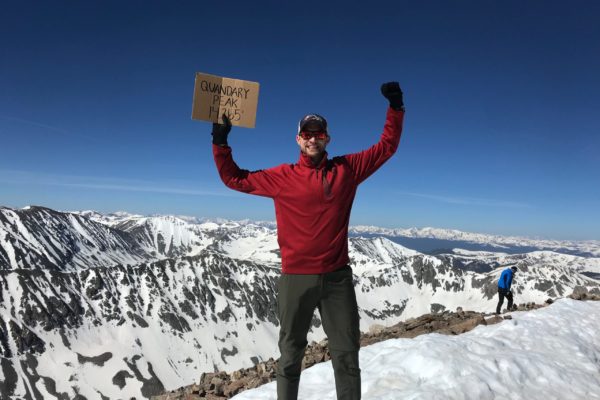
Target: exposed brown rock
point(582, 293)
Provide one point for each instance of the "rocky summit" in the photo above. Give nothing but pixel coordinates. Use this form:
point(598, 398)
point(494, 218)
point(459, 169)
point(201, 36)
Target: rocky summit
point(222, 385)
point(97, 306)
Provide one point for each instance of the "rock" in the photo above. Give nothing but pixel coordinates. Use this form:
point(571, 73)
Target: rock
point(579, 293)
point(465, 326)
point(236, 375)
point(210, 396)
point(494, 320)
point(234, 388)
point(217, 383)
point(376, 329)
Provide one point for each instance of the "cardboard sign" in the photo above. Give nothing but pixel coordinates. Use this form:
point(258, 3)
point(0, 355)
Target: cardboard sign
point(215, 95)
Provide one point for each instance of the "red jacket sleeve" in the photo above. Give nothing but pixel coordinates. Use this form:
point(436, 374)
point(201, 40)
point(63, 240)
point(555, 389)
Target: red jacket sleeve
point(262, 183)
point(368, 161)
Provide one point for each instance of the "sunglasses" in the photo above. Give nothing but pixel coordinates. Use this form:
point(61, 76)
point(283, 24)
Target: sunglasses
point(306, 135)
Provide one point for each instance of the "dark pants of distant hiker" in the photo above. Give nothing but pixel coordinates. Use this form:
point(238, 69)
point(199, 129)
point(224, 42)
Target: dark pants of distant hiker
point(502, 293)
point(333, 295)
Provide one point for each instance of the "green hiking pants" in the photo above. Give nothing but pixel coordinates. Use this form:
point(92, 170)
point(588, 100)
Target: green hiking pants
point(333, 295)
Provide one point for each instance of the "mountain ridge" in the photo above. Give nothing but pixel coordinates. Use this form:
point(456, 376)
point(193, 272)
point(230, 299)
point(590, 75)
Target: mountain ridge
point(201, 295)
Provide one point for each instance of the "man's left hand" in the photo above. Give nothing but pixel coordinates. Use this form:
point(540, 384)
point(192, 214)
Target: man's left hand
point(393, 93)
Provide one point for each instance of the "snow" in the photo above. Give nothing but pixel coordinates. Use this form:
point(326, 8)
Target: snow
point(550, 353)
point(8, 248)
point(78, 228)
point(255, 244)
point(149, 290)
point(591, 247)
point(209, 226)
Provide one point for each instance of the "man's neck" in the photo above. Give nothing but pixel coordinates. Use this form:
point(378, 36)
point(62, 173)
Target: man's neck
point(312, 161)
point(316, 160)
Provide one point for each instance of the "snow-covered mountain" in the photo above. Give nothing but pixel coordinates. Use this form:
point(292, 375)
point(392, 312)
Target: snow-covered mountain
point(40, 238)
point(121, 305)
point(427, 239)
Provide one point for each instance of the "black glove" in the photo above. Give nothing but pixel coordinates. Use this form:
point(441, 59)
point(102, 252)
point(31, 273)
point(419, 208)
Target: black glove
point(220, 131)
point(392, 92)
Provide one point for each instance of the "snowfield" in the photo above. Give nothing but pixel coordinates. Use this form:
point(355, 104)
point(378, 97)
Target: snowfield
point(122, 306)
point(548, 354)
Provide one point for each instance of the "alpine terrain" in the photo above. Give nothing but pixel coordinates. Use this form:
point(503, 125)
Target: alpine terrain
point(114, 306)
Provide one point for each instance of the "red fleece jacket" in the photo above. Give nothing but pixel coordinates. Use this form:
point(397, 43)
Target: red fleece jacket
point(313, 202)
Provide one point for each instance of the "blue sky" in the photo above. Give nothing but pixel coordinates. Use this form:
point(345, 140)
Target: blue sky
point(501, 134)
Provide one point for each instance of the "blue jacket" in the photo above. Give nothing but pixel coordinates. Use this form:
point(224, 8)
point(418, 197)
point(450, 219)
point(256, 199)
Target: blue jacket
point(505, 279)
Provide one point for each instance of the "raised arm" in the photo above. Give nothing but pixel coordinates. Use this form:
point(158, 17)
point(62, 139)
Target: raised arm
point(368, 161)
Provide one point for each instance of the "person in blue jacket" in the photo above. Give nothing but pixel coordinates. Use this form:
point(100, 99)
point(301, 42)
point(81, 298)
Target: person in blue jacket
point(504, 284)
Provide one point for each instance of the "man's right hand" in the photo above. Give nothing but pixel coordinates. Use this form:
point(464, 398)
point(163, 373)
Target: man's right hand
point(220, 131)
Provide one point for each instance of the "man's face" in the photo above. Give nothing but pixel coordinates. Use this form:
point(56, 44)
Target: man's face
point(309, 142)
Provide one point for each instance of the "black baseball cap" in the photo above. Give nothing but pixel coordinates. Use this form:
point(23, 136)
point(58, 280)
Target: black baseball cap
point(312, 119)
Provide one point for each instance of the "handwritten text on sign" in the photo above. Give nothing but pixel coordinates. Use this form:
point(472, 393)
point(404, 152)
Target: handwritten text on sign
point(215, 96)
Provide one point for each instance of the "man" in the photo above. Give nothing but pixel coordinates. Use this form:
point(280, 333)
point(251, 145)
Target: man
point(504, 284)
point(313, 199)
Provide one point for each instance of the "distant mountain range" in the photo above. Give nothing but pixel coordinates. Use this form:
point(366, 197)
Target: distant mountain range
point(440, 240)
point(101, 306)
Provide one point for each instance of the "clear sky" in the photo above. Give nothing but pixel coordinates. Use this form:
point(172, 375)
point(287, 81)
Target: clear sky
point(502, 130)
